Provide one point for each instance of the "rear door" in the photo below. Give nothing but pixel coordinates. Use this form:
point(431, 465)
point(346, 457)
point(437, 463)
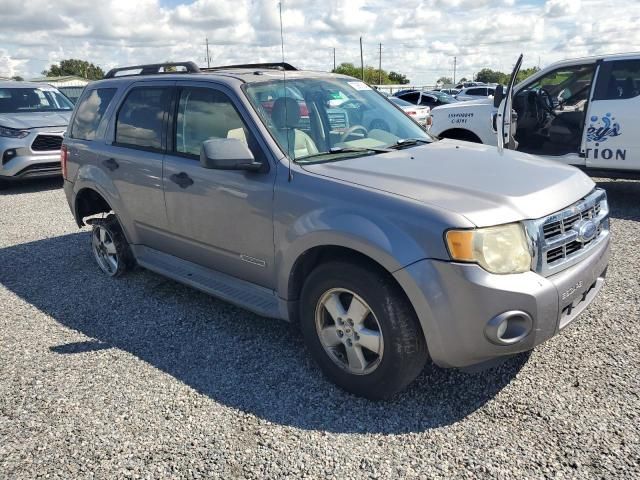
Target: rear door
point(220, 219)
point(612, 132)
point(132, 159)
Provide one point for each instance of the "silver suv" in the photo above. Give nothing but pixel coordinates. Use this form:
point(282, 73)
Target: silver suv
point(387, 247)
point(33, 118)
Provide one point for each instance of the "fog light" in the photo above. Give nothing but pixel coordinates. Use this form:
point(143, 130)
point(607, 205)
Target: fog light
point(8, 155)
point(508, 327)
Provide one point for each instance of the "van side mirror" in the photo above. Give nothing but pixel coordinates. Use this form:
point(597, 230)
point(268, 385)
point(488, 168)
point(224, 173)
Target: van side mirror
point(228, 154)
point(498, 96)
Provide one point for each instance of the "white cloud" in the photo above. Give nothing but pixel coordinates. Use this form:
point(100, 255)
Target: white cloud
point(419, 37)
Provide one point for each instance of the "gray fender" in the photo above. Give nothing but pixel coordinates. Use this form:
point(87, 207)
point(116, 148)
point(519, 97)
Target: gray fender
point(94, 178)
point(378, 239)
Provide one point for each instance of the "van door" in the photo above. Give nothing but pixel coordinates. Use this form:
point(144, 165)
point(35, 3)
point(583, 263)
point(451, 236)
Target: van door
point(220, 219)
point(612, 137)
point(505, 122)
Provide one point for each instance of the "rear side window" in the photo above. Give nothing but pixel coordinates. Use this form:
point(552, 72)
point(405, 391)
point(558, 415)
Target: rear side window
point(141, 118)
point(90, 112)
point(411, 97)
point(477, 91)
point(618, 80)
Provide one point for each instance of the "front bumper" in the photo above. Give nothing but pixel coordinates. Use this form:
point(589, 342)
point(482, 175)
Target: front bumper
point(24, 162)
point(455, 302)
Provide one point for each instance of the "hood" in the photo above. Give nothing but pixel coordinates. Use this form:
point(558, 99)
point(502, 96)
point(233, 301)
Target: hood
point(473, 180)
point(26, 120)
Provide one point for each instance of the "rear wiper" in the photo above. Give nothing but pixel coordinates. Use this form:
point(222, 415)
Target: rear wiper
point(408, 142)
point(338, 150)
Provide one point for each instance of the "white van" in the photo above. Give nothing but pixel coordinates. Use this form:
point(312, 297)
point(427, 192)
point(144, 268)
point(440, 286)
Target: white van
point(582, 112)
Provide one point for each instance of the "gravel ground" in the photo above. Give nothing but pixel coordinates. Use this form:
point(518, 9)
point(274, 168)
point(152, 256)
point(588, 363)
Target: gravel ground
point(144, 378)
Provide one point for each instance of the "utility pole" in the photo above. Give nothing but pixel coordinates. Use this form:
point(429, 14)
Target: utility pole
point(455, 63)
point(334, 59)
point(361, 60)
point(208, 57)
point(380, 66)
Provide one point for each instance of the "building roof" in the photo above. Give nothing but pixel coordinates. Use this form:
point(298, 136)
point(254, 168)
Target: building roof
point(68, 80)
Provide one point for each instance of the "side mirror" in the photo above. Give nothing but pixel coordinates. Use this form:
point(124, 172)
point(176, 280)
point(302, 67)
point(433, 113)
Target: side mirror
point(228, 154)
point(498, 96)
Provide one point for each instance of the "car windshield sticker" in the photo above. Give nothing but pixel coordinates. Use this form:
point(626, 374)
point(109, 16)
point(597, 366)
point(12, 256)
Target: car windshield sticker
point(360, 85)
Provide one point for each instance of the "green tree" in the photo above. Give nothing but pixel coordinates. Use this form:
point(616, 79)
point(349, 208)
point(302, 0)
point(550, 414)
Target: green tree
point(487, 75)
point(525, 73)
point(78, 68)
point(17, 78)
point(398, 79)
point(445, 80)
point(372, 75)
point(463, 79)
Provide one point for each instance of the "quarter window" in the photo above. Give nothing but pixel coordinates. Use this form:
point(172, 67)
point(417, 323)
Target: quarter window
point(411, 97)
point(205, 114)
point(618, 80)
point(141, 118)
point(90, 112)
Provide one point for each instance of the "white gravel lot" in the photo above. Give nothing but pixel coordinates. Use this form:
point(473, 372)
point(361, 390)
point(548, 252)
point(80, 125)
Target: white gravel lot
point(142, 377)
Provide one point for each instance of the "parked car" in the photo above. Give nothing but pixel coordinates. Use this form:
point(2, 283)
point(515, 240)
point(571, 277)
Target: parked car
point(450, 91)
point(427, 98)
point(475, 93)
point(419, 113)
point(462, 85)
point(387, 247)
point(580, 112)
point(33, 118)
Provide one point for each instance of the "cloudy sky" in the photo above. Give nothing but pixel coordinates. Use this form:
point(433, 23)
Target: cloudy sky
point(419, 38)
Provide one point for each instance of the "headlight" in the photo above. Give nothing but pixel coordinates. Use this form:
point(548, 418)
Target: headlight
point(13, 133)
point(503, 249)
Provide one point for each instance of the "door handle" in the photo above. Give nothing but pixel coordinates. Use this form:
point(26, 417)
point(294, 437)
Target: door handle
point(181, 179)
point(110, 164)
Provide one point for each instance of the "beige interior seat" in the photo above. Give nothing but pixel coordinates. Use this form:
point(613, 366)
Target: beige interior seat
point(286, 118)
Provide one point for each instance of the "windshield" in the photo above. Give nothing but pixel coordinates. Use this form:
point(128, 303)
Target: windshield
point(33, 99)
point(325, 119)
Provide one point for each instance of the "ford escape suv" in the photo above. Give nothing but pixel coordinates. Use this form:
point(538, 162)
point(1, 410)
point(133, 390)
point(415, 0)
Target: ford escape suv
point(387, 247)
point(33, 118)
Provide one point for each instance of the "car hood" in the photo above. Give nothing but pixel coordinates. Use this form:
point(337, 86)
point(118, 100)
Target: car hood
point(26, 120)
point(473, 180)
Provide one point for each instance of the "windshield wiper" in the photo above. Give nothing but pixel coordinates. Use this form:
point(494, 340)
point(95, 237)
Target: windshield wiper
point(339, 150)
point(408, 142)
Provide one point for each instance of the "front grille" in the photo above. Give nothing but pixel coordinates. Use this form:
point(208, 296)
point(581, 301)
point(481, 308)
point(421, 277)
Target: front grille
point(46, 143)
point(39, 169)
point(560, 243)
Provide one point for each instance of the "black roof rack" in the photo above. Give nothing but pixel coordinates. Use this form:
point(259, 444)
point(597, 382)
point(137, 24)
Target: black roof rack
point(153, 68)
point(267, 66)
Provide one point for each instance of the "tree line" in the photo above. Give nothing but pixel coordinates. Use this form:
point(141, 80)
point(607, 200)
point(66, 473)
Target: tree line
point(486, 75)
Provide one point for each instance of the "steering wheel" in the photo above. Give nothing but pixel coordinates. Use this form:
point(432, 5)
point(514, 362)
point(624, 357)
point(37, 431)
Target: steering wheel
point(351, 130)
point(546, 102)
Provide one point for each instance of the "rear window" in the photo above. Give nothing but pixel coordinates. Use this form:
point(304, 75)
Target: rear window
point(141, 118)
point(90, 112)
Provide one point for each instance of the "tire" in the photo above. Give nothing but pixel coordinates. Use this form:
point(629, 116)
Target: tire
point(389, 365)
point(110, 247)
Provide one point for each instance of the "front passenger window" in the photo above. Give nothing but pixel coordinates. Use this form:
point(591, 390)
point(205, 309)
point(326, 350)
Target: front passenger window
point(205, 114)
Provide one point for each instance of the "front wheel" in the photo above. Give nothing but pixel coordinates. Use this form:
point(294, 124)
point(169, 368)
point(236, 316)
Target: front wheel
point(361, 330)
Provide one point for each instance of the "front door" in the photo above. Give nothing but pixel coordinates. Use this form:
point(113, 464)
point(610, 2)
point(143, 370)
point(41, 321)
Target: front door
point(220, 219)
point(612, 138)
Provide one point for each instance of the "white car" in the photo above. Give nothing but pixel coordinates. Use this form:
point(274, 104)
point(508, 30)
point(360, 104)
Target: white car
point(420, 114)
point(582, 112)
point(476, 93)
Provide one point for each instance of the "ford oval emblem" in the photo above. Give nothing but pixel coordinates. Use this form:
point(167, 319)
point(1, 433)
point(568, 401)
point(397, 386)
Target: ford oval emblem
point(586, 230)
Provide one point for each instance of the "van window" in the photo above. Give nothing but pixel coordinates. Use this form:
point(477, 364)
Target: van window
point(618, 80)
point(90, 112)
point(141, 118)
point(204, 114)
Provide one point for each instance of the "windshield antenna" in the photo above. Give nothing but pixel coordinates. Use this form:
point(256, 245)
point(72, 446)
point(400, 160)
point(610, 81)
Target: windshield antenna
point(284, 83)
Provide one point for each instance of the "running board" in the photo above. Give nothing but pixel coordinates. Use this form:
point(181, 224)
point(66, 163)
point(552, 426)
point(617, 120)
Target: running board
point(244, 294)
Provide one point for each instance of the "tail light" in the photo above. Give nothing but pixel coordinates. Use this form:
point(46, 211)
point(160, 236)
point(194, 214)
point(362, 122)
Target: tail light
point(411, 112)
point(429, 120)
point(64, 153)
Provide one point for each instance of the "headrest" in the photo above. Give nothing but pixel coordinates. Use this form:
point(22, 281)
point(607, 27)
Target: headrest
point(285, 113)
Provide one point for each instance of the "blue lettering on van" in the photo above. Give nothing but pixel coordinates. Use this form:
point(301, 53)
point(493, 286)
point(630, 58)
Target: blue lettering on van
point(602, 129)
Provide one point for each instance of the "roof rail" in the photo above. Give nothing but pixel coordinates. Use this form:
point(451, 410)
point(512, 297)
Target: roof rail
point(268, 66)
point(153, 68)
